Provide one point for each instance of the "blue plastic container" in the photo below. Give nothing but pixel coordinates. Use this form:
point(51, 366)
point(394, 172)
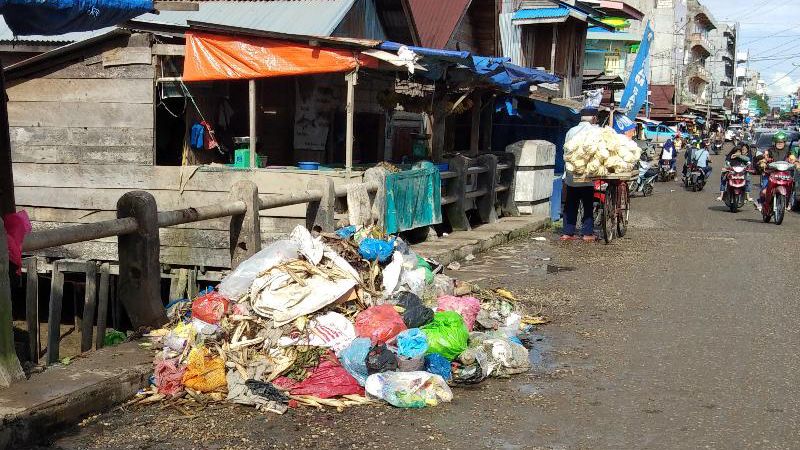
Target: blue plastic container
point(443, 167)
point(308, 165)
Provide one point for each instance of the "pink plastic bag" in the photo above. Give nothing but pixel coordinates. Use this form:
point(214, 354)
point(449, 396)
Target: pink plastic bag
point(329, 379)
point(467, 307)
point(169, 376)
point(210, 308)
point(17, 225)
point(379, 323)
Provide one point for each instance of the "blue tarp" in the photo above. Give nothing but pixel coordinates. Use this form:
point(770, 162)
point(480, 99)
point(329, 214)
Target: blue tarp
point(461, 57)
point(413, 198)
point(509, 77)
point(53, 17)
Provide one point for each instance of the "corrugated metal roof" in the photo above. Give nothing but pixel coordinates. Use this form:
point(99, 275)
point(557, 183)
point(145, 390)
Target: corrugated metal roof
point(311, 17)
point(541, 13)
point(437, 20)
point(7, 36)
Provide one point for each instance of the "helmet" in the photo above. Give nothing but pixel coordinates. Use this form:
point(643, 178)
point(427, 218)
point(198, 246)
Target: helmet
point(780, 136)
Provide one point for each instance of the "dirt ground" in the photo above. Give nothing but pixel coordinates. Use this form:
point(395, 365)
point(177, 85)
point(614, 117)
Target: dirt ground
point(682, 335)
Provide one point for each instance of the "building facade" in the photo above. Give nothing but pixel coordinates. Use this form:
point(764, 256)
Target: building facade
point(722, 65)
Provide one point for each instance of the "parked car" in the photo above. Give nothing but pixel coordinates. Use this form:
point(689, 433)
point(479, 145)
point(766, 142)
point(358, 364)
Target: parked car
point(764, 140)
point(659, 133)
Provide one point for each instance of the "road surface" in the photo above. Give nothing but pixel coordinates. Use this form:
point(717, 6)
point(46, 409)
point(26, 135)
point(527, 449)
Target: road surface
point(683, 335)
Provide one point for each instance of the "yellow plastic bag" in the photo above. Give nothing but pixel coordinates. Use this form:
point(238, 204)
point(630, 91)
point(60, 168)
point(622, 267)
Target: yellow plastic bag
point(203, 372)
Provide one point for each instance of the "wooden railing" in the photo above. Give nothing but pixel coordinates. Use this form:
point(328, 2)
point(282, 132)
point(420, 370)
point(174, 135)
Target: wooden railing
point(485, 184)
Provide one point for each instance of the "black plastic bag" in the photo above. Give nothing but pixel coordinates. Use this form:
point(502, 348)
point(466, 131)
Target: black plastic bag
point(407, 299)
point(267, 391)
point(381, 359)
point(471, 374)
point(417, 316)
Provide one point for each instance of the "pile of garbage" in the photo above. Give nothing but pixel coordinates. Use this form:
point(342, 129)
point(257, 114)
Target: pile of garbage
point(598, 152)
point(335, 320)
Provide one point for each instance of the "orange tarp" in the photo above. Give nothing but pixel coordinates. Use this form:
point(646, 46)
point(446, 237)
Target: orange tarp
point(218, 57)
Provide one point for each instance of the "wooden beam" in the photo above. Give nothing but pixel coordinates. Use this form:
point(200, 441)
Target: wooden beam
point(7, 204)
point(475, 131)
point(352, 81)
point(176, 6)
point(168, 49)
point(253, 123)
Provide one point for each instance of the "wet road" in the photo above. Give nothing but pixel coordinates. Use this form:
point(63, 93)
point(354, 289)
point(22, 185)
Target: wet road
point(683, 335)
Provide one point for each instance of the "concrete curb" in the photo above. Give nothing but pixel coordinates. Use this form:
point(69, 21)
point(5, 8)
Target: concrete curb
point(62, 395)
point(461, 244)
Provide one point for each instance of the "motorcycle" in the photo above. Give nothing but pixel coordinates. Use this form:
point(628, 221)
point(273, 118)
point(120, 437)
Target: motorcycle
point(716, 148)
point(779, 187)
point(645, 182)
point(735, 182)
point(665, 172)
point(695, 178)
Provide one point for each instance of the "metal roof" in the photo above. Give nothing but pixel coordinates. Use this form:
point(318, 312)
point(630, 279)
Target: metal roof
point(7, 36)
point(310, 17)
point(437, 20)
point(541, 13)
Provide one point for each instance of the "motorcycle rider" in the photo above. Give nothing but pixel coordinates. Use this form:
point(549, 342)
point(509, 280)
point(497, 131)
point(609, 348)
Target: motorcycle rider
point(736, 157)
point(779, 151)
point(670, 151)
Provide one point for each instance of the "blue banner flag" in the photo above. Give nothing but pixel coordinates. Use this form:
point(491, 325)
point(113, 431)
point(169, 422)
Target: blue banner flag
point(635, 94)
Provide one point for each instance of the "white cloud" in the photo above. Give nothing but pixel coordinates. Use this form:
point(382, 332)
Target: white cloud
point(780, 84)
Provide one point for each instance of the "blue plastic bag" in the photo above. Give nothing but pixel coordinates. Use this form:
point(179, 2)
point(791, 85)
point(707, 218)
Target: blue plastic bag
point(438, 365)
point(346, 232)
point(354, 359)
point(412, 343)
point(372, 249)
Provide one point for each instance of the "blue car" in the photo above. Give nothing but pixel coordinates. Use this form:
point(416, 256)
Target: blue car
point(660, 133)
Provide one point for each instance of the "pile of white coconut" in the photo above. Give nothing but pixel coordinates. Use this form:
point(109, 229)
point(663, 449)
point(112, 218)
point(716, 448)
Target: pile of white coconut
point(598, 152)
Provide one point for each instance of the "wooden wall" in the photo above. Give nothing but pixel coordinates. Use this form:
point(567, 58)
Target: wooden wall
point(82, 133)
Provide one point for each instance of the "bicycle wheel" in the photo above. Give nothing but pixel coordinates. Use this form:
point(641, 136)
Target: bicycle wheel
point(623, 203)
point(610, 214)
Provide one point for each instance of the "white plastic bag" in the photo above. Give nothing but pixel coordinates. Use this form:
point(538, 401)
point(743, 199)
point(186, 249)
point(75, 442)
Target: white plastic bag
point(391, 274)
point(414, 281)
point(283, 303)
point(331, 330)
point(408, 389)
point(238, 282)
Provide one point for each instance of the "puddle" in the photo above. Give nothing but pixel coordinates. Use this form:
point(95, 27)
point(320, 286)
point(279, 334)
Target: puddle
point(539, 356)
point(552, 268)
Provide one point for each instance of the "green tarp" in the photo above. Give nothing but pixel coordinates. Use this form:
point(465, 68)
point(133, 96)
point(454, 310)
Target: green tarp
point(413, 198)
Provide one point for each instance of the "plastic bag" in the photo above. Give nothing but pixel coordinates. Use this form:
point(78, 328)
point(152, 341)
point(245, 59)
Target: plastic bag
point(331, 330)
point(497, 357)
point(391, 274)
point(468, 374)
point(447, 334)
point(417, 316)
point(406, 299)
point(443, 285)
point(169, 376)
point(113, 337)
point(381, 359)
point(512, 324)
point(354, 359)
point(203, 372)
point(210, 308)
point(409, 389)
point(328, 380)
point(16, 225)
point(467, 307)
point(379, 323)
point(438, 365)
point(376, 249)
point(238, 282)
point(412, 343)
point(414, 281)
point(346, 232)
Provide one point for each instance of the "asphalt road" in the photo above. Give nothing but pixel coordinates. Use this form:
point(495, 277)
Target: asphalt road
point(682, 335)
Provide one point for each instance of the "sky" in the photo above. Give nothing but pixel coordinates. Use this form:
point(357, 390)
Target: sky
point(770, 29)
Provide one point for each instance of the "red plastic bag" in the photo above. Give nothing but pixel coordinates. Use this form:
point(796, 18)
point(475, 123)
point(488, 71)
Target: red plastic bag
point(169, 376)
point(329, 379)
point(210, 308)
point(379, 323)
point(16, 225)
point(467, 307)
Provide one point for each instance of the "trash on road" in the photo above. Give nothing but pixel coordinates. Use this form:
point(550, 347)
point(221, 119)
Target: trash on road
point(337, 320)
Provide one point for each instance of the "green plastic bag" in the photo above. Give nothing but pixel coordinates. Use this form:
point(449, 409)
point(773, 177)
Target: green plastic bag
point(447, 334)
point(428, 269)
point(113, 337)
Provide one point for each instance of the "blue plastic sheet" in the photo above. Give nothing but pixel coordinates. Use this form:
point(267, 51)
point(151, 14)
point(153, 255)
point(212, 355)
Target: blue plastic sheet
point(413, 198)
point(510, 77)
point(412, 343)
point(354, 359)
point(346, 232)
point(53, 17)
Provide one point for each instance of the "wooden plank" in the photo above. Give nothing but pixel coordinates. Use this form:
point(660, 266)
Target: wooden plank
point(83, 90)
point(39, 154)
point(54, 315)
point(127, 56)
point(75, 216)
point(94, 70)
point(175, 6)
point(77, 114)
point(89, 305)
point(32, 308)
point(102, 305)
point(106, 251)
point(168, 50)
point(170, 237)
point(84, 137)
